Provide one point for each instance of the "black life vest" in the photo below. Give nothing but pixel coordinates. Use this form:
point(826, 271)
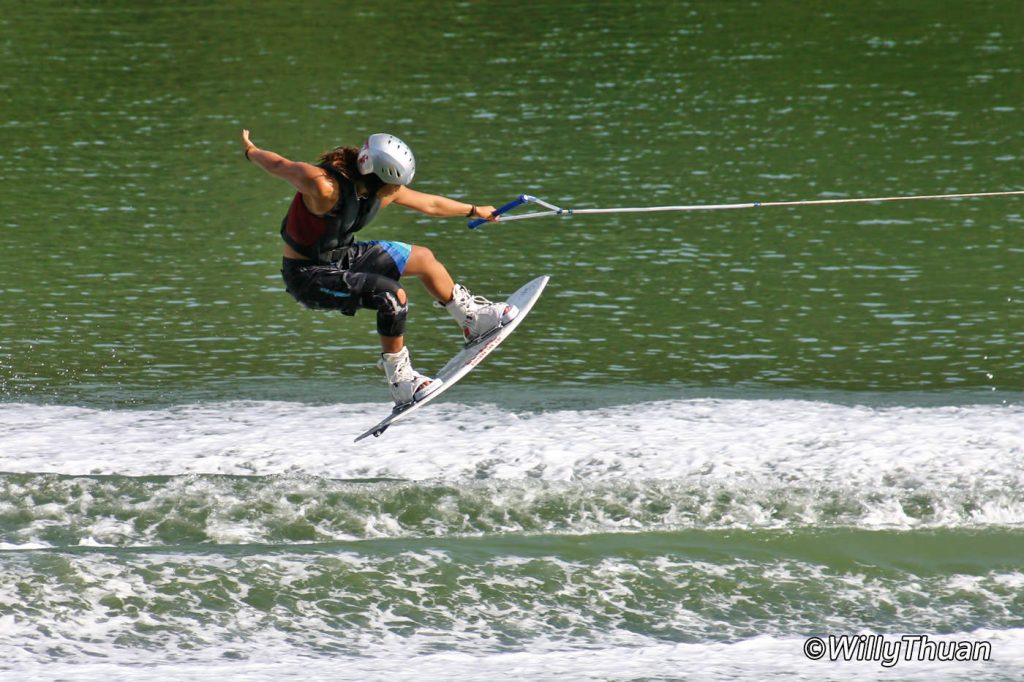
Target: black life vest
point(350, 214)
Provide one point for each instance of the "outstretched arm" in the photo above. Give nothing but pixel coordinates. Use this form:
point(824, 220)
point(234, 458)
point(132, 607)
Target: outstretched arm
point(305, 177)
point(440, 207)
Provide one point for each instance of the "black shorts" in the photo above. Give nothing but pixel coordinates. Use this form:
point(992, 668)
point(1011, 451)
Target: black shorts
point(365, 269)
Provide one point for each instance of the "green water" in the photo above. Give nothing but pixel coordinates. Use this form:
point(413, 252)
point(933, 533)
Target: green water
point(607, 497)
point(141, 253)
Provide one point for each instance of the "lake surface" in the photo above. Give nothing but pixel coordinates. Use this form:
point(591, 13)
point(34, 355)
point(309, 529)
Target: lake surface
point(718, 433)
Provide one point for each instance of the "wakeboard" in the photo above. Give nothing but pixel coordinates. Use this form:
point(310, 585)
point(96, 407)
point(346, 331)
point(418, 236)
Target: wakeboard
point(471, 355)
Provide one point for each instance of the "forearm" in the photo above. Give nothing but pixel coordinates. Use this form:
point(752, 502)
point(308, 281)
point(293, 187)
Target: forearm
point(438, 206)
point(269, 161)
point(443, 207)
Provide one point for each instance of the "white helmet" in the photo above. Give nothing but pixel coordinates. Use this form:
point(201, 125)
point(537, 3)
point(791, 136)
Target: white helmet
point(389, 158)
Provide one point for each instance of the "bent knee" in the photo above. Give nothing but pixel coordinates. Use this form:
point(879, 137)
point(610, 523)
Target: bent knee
point(421, 258)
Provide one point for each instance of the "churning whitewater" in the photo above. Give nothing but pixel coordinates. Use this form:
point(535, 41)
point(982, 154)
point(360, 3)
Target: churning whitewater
point(672, 439)
point(655, 466)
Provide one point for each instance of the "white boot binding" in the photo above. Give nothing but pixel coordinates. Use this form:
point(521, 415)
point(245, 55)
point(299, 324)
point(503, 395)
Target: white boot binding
point(406, 384)
point(476, 315)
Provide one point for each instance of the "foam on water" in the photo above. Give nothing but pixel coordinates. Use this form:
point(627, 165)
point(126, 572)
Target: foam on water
point(473, 598)
point(377, 617)
point(662, 465)
point(761, 658)
point(41, 511)
point(659, 539)
point(655, 440)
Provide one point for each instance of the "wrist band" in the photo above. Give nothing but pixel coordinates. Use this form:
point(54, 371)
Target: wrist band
point(247, 150)
point(472, 212)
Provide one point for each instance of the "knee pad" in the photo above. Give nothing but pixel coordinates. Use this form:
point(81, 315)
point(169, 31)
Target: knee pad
point(376, 292)
point(391, 313)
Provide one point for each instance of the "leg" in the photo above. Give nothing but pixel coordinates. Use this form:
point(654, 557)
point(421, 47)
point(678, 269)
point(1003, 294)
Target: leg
point(386, 296)
point(328, 287)
point(391, 302)
point(431, 272)
point(393, 344)
point(476, 316)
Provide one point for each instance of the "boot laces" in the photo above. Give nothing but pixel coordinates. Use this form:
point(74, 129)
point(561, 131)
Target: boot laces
point(480, 302)
point(402, 367)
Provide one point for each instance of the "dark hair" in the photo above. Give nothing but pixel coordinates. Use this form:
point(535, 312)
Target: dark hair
point(345, 161)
